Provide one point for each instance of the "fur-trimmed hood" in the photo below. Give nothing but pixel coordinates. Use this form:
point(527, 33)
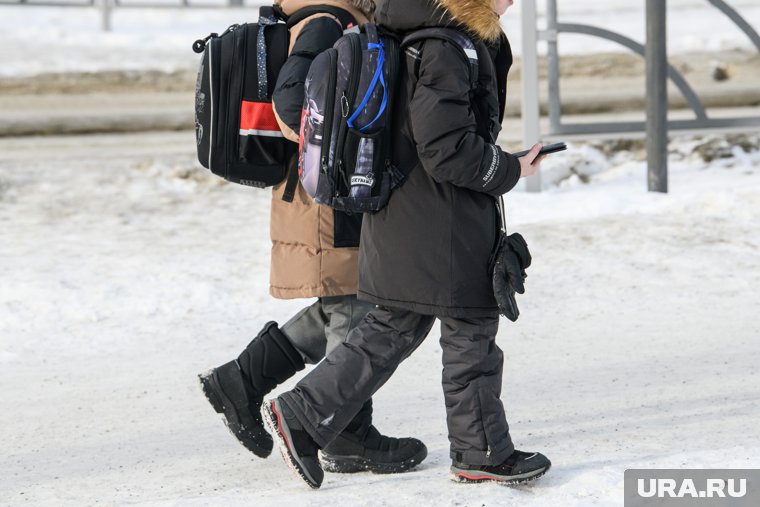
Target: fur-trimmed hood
point(366, 7)
point(476, 16)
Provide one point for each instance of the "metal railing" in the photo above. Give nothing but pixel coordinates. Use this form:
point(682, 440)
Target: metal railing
point(658, 72)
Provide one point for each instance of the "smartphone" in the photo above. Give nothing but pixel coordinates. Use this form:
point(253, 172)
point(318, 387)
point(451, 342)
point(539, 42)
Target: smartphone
point(545, 150)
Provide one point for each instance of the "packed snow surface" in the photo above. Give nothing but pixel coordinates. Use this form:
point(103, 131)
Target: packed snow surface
point(126, 270)
point(57, 39)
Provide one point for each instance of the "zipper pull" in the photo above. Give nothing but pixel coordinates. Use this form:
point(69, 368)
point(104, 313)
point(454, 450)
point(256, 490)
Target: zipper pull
point(324, 164)
point(344, 106)
point(488, 452)
point(200, 44)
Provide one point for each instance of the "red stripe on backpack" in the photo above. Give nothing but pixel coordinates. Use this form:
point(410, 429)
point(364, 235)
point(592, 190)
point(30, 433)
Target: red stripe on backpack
point(258, 117)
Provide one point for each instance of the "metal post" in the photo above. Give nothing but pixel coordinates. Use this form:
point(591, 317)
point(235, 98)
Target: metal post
point(530, 106)
point(105, 14)
point(552, 55)
point(657, 95)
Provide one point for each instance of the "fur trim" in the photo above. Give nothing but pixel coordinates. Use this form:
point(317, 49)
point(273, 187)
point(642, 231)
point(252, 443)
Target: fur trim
point(478, 16)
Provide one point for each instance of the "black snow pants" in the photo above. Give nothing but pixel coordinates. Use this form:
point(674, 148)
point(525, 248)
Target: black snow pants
point(327, 399)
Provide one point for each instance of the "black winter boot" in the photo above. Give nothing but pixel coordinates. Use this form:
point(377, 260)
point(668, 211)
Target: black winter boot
point(237, 389)
point(361, 448)
point(298, 449)
point(519, 467)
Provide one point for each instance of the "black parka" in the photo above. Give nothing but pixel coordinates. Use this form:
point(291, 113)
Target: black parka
point(429, 250)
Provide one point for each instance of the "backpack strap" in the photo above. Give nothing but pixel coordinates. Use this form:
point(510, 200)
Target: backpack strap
point(267, 17)
point(345, 18)
point(456, 38)
point(292, 180)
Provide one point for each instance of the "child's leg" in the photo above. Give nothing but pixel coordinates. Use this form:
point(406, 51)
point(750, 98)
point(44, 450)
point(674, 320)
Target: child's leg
point(306, 332)
point(343, 313)
point(472, 370)
point(327, 399)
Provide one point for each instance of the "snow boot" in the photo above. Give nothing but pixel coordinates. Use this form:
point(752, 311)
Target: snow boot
point(361, 448)
point(298, 449)
point(518, 468)
point(236, 389)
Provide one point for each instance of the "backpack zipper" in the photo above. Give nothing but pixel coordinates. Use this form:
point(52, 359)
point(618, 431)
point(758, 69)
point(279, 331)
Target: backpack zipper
point(329, 110)
point(211, 92)
point(236, 126)
point(231, 31)
point(347, 103)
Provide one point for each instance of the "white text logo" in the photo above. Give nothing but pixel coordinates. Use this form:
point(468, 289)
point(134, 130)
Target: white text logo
point(716, 488)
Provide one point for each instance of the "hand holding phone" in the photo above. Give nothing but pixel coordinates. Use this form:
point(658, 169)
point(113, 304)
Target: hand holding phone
point(530, 162)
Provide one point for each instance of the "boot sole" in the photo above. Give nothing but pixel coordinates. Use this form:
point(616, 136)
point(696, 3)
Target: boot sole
point(477, 476)
point(223, 405)
point(355, 464)
point(273, 418)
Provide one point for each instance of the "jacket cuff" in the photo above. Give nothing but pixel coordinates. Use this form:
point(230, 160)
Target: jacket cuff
point(509, 169)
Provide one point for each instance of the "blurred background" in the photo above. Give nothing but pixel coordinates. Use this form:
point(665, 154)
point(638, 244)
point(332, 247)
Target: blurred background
point(126, 269)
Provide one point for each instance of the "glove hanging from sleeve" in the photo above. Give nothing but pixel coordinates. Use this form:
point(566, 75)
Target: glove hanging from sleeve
point(512, 259)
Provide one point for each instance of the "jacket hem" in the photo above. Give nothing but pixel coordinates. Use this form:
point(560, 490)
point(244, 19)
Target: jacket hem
point(311, 292)
point(457, 312)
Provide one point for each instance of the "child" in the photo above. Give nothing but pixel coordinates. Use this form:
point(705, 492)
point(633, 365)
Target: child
point(427, 254)
point(314, 254)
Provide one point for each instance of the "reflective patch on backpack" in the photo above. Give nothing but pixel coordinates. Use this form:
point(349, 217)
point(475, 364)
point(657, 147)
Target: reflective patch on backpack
point(363, 180)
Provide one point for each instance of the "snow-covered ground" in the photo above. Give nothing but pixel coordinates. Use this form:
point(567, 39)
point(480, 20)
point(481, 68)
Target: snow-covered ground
point(56, 39)
point(125, 270)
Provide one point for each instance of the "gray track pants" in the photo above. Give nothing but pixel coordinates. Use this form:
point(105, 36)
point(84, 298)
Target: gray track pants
point(328, 397)
point(317, 329)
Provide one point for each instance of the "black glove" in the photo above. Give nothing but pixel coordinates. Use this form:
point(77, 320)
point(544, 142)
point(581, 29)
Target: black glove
point(512, 259)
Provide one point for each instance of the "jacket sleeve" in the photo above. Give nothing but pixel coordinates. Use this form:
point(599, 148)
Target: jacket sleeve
point(317, 35)
point(444, 128)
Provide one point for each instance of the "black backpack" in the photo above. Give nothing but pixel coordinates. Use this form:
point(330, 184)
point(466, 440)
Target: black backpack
point(237, 134)
point(344, 150)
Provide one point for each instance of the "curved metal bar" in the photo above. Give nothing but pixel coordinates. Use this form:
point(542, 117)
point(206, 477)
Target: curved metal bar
point(675, 76)
point(738, 20)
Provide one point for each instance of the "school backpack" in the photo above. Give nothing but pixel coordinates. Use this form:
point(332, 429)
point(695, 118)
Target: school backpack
point(344, 149)
point(237, 134)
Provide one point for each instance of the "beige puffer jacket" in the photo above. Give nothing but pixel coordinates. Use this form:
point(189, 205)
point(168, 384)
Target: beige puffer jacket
point(305, 262)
